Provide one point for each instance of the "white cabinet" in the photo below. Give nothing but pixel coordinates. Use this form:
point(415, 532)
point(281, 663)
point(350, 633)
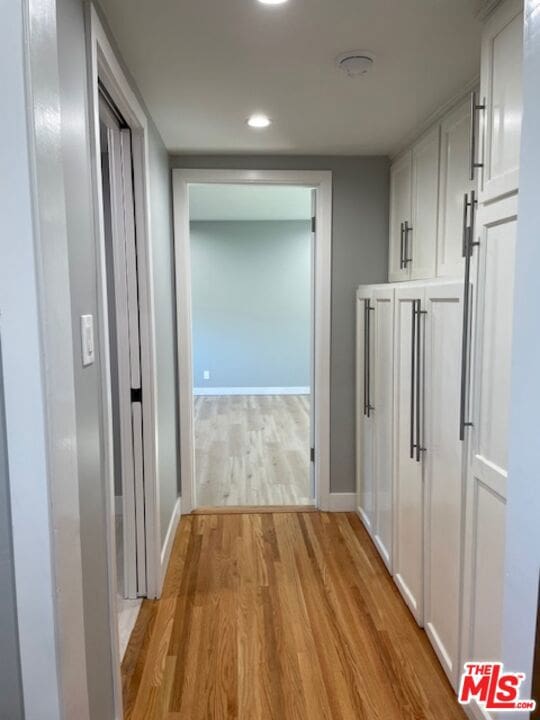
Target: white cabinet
point(375, 337)
point(408, 476)
point(499, 108)
point(444, 480)
point(414, 183)
point(489, 416)
point(428, 469)
point(422, 239)
point(400, 215)
point(454, 183)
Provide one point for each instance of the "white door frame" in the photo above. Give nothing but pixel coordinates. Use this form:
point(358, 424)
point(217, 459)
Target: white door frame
point(104, 66)
point(322, 182)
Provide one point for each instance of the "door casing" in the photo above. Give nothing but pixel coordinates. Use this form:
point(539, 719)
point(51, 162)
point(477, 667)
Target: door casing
point(322, 182)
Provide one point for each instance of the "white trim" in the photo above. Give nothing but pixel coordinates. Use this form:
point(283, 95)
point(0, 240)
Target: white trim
point(169, 539)
point(38, 370)
point(252, 391)
point(342, 502)
point(103, 63)
point(322, 181)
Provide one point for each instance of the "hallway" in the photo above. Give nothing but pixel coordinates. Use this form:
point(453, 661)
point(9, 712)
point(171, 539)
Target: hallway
point(280, 615)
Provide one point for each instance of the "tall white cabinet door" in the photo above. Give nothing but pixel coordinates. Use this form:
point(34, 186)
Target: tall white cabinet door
point(365, 497)
point(501, 89)
point(444, 477)
point(454, 184)
point(408, 480)
point(487, 474)
point(383, 403)
point(400, 213)
point(422, 240)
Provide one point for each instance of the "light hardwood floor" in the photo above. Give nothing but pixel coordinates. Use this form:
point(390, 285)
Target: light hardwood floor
point(252, 450)
point(278, 617)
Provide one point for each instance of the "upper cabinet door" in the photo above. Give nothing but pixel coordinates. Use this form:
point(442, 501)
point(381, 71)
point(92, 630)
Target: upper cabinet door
point(455, 182)
point(501, 92)
point(400, 213)
point(421, 242)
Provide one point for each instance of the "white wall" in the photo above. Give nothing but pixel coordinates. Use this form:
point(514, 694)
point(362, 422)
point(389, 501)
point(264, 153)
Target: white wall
point(523, 510)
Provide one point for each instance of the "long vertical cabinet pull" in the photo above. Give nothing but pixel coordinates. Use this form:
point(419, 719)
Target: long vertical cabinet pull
point(419, 420)
point(367, 357)
point(401, 246)
point(469, 245)
point(406, 230)
point(412, 444)
point(475, 108)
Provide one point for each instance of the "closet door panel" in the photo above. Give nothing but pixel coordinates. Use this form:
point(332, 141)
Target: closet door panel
point(454, 183)
point(422, 240)
point(365, 498)
point(488, 470)
point(400, 211)
point(383, 302)
point(501, 88)
point(444, 486)
point(408, 499)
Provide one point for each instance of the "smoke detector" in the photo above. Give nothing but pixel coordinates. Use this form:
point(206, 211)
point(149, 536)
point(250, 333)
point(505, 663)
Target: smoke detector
point(356, 62)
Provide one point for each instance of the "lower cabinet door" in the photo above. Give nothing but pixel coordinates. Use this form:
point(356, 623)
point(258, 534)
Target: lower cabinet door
point(383, 410)
point(408, 497)
point(488, 462)
point(365, 496)
point(443, 481)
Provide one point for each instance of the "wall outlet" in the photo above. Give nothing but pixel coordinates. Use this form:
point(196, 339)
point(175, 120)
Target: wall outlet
point(206, 375)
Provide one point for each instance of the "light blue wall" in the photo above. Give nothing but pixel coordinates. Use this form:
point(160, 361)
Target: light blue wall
point(251, 303)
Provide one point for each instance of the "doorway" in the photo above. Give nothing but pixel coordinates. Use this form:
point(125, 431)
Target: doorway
point(248, 439)
point(252, 299)
point(125, 362)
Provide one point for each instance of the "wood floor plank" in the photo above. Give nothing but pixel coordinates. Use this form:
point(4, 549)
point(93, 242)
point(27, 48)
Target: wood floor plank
point(281, 616)
point(252, 450)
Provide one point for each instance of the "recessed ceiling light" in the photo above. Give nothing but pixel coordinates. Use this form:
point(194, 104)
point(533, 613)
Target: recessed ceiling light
point(272, 2)
point(259, 121)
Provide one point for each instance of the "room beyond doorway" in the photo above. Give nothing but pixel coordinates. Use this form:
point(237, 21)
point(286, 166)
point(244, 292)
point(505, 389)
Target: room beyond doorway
point(252, 327)
point(253, 283)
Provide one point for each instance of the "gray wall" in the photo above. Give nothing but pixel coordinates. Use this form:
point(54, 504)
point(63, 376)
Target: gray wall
point(165, 326)
point(83, 273)
point(359, 255)
point(11, 701)
point(523, 506)
point(251, 303)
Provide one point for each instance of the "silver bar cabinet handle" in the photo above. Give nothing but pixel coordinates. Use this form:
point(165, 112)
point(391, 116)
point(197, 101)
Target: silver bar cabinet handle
point(419, 439)
point(369, 406)
point(475, 107)
point(412, 444)
point(470, 245)
point(365, 355)
point(406, 230)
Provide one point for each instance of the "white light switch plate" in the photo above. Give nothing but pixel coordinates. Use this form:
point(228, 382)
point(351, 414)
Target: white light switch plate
point(206, 375)
point(87, 339)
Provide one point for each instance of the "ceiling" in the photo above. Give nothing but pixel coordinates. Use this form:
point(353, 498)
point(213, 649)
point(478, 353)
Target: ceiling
point(249, 202)
point(203, 66)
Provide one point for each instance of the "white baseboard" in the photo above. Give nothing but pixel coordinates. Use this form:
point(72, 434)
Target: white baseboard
point(342, 502)
point(252, 391)
point(169, 539)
